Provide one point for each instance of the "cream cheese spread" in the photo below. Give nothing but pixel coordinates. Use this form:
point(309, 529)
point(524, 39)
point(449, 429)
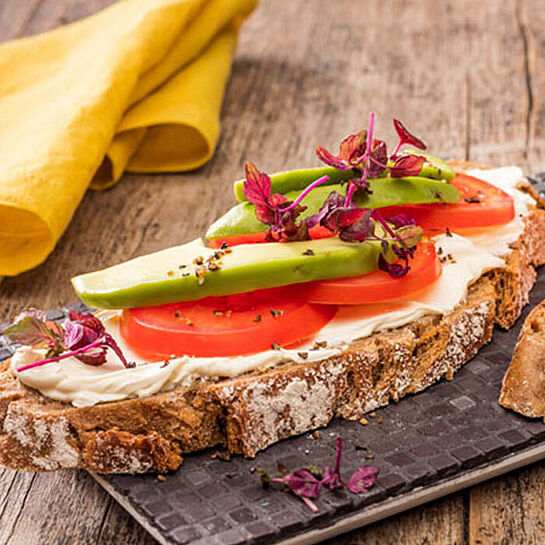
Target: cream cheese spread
point(83, 385)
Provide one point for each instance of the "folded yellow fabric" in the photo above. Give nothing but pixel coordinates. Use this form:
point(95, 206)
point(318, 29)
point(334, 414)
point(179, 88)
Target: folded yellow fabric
point(138, 86)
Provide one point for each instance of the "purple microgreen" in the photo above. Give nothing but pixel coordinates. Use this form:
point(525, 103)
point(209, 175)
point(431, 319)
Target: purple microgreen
point(410, 235)
point(351, 150)
point(400, 220)
point(306, 483)
point(305, 192)
point(257, 186)
point(31, 328)
point(360, 229)
point(405, 137)
point(363, 479)
point(82, 336)
point(407, 165)
point(301, 482)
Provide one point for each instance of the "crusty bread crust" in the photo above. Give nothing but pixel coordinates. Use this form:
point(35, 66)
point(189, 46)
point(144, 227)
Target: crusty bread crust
point(523, 388)
point(249, 413)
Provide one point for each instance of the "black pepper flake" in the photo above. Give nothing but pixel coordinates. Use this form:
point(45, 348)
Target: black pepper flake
point(257, 318)
point(213, 267)
point(308, 251)
point(472, 199)
point(439, 251)
point(275, 346)
point(186, 274)
point(200, 271)
point(275, 313)
point(448, 232)
point(131, 365)
point(176, 314)
point(199, 260)
point(303, 355)
point(182, 266)
point(224, 246)
point(165, 363)
point(319, 344)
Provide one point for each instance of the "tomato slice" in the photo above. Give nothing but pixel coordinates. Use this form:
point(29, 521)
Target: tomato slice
point(224, 326)
point(252, 238)
point(379, 285)
point(481, 205)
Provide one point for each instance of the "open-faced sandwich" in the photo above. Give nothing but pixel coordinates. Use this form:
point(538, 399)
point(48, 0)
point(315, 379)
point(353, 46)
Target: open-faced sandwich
point(325, 292)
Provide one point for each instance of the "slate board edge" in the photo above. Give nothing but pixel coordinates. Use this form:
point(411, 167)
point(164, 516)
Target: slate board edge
point(369, 515)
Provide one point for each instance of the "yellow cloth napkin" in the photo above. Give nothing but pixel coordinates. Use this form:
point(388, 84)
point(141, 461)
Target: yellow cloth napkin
point(137, 86)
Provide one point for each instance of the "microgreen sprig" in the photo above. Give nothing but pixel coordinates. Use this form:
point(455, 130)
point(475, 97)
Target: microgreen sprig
point(307, 482)
point(368, 158)
point(82, 335)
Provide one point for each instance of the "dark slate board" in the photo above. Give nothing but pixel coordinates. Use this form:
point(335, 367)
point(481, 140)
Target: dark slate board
point(449, 437)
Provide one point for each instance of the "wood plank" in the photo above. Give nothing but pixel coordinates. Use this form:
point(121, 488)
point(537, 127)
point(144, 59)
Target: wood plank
point(509, 510)
point(512, 509)
point(455, 71)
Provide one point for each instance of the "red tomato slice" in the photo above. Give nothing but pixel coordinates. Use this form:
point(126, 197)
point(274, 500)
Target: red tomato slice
point(481, 205)
point(379, 285)
point(224, 326)
point(252, 238)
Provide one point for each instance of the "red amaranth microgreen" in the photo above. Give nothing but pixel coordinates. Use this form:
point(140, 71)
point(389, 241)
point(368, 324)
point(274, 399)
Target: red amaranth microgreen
point(367, 157)
point(82, 335)
point(405, 137)
point(307, 482)
point(274, 209)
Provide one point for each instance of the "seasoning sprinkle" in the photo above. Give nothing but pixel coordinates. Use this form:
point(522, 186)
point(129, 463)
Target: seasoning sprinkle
point(199, 260)
point(472, 199)
point(224, 246)
point(308, 251)
point(303, 355)
point(319, 344)
point(228, 313)
point(257, 318)
point(182, 266)
point(189, 322)
point(217, 313)
point(213, 267)
point(275, 313)
point(275, 346)
point(448, 232)
point(170, 273)
point(176, 314)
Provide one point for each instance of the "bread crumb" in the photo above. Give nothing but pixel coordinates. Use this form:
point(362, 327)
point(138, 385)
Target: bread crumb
point(364, 421)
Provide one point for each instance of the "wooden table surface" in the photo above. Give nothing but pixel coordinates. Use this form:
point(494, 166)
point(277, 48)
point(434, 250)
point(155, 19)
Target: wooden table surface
point(467, 76)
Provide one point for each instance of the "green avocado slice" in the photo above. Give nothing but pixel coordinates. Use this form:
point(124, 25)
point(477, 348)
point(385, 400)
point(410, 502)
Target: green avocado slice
point(169, 275)
point(241, 219)
point(295, 180)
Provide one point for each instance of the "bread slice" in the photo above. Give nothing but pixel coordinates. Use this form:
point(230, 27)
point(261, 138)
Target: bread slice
point(249, 413)
point(523, 388)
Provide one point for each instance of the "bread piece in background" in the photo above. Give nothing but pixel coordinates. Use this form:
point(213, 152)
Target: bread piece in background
point(523, 388)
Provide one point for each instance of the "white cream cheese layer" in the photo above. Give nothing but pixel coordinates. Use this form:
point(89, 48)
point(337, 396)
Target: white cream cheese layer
point(83, 385)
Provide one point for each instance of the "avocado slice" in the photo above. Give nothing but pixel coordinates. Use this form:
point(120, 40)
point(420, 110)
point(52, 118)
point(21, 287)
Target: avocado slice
point(241, 219)
point(434, 167)
point(295, 180)
point(170, 275)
